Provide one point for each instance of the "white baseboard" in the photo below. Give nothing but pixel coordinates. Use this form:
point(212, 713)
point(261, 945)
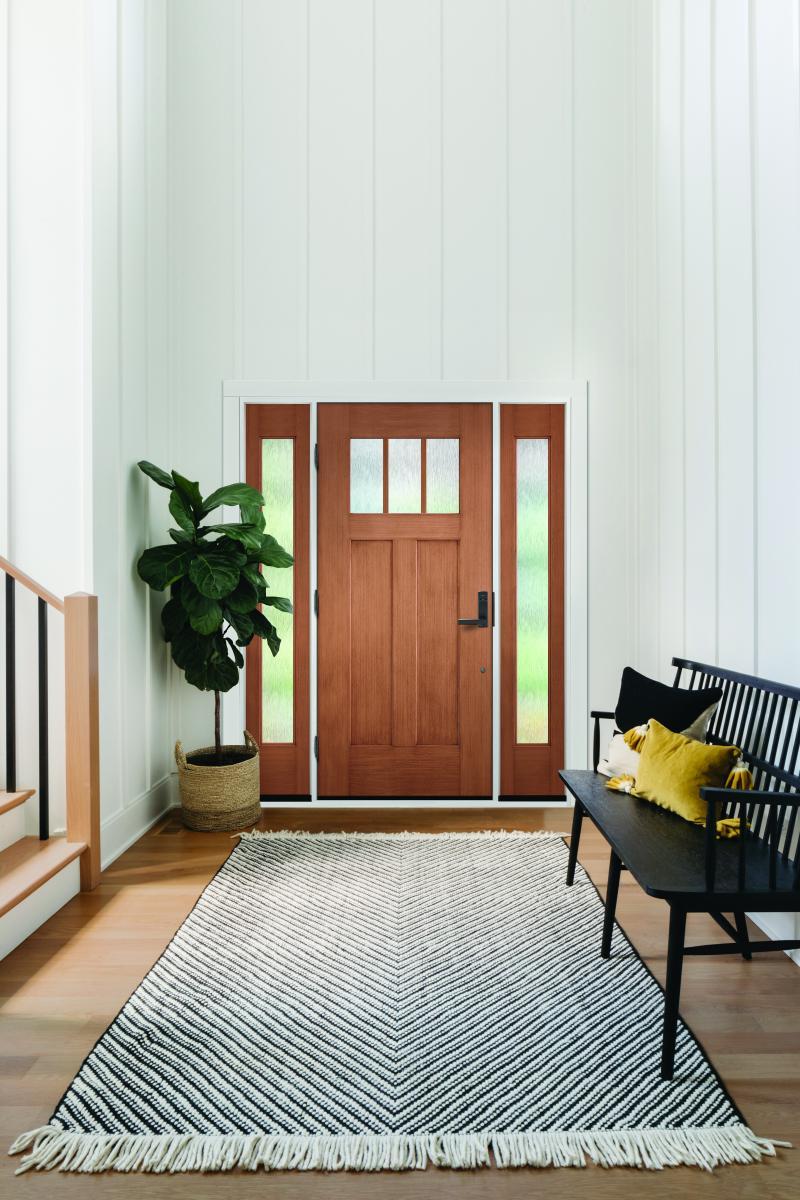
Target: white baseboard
point(119, 832)
point(783, 926)
point(26, 917)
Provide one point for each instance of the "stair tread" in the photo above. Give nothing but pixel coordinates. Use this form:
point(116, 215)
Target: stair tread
point(9, 800)
point(29, 863)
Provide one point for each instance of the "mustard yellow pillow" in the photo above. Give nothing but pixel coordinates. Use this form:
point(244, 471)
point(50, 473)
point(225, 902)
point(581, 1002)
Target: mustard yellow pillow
point(673, 768)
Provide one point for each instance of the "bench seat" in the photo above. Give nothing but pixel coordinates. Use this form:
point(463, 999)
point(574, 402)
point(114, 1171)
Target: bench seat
point(666, 854)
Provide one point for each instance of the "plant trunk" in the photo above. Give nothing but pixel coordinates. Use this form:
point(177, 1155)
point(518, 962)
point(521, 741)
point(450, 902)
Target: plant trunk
point(217, 732)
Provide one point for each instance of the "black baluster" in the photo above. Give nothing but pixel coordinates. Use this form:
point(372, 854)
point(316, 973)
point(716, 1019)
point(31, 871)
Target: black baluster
point(44, 776)
point(11, 690)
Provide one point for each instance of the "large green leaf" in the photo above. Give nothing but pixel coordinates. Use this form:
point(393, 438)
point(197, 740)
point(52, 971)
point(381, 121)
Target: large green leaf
point(209, 621)
point(178, 535)
point(162, 478)
point(180, 511)
point(244, 598)
point(272, 553)
point(248, 535)
point(279, 602)
point(205, 614)
point(238, 657)
point(214, 675)
point(173, 618)
point(242, 624)
point(190, 492)
point(265, 629)
point(254, 576)
point(253, 514)
point(161, 565)
point(191, 649)
point(213, 574)
point(233, 494)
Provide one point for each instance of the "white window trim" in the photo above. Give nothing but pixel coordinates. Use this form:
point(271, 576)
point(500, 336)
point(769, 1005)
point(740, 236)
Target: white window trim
point(237, 394)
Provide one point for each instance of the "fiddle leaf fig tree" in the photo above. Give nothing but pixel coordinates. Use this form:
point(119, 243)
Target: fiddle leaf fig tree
point(216, 587)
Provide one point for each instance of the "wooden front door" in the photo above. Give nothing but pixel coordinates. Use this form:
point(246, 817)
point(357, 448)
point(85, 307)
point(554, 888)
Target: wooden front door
point(405, 548)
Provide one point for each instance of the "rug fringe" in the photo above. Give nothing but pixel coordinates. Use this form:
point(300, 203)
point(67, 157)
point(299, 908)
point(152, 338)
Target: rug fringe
point(51, 1148)
point(404, 835)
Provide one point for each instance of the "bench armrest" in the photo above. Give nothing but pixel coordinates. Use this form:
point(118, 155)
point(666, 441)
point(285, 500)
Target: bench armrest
point(598, 715)
point(715, 796)
point(778, 799)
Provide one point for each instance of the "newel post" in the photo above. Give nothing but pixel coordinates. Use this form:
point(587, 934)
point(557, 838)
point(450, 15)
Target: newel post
point(83, 732)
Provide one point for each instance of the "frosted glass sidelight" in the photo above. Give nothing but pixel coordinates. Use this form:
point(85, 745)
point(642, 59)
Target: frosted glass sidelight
point(532, 591)
point(366, 475)
point(277, 674)
point(441, 475)
point(405, 475)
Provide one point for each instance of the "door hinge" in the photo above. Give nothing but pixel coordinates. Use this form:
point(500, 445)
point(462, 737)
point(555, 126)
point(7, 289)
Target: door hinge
point(316, 603)
point(316, 747)
point(316, 455)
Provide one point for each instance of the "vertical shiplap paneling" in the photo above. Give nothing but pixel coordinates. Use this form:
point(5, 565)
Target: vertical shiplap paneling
point(777, 299)
point(700, 470)
point(106, 370)
point(408, 189)
point(204, 101)
point(540, 189)
point(733, 232)
point(340, 204)
point(474, 182)
point(274, 188)
point(158, 444)
point(669, 250)
point(133, 426)
point(601, 164)
point(643, 318)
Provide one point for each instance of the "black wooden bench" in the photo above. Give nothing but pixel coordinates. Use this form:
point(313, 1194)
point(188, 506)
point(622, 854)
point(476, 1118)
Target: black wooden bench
point(687, 865)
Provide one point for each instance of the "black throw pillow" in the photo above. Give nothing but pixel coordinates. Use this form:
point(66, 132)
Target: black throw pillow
point(641, 698)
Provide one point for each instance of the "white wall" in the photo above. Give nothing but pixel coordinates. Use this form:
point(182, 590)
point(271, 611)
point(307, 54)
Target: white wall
point(85, 389)
point(131, 407)
point(719, 512)
point(407, 189)
point(719, 509)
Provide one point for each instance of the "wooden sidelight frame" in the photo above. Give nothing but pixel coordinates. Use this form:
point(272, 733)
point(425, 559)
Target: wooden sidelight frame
point(285, 770)
point(531, 769)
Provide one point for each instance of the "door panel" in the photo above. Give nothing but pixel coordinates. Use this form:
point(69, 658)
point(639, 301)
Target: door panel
point(405, 692)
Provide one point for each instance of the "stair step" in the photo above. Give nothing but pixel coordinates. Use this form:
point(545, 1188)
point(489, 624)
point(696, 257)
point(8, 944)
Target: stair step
point(29, 863)
point(9, 800)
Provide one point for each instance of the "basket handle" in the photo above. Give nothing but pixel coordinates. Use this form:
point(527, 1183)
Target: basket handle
point(180, 757)
point(250, 742)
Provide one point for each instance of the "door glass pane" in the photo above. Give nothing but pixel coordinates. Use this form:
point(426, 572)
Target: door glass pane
point(277, 674)
point(366, 475)
point(441, 475)
point(532, 590)
point(405, 475)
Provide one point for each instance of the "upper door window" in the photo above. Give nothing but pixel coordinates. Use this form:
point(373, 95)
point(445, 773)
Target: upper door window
point(404, 475)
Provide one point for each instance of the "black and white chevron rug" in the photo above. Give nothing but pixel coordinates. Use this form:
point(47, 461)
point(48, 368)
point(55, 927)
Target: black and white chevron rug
point(384, 1001)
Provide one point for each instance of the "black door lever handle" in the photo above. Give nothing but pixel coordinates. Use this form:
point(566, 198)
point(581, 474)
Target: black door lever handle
point(482, 619)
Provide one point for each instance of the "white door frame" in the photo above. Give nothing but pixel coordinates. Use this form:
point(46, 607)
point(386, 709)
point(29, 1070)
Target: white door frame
point(238, 393)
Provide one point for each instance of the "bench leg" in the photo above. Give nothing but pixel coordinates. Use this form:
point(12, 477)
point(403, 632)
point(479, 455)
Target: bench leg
point(612, 891)
point(677, 934)
point(574, 842)
point(744, 936)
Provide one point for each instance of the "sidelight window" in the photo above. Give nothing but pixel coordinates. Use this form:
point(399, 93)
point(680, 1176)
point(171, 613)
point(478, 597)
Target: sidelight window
point(532, 590)
point(277, 485)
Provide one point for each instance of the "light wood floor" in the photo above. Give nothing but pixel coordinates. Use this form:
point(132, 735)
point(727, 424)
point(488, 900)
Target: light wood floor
point(62, 987)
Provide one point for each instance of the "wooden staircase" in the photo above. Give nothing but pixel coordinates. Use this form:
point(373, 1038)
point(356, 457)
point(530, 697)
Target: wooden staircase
point(29, 862)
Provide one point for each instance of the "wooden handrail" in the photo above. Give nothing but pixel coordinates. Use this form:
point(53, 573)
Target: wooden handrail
point(31, 585)
point(81, 675)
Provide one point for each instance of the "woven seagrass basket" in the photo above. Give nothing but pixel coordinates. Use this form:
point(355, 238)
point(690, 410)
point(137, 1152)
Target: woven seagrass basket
point(220, 797)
